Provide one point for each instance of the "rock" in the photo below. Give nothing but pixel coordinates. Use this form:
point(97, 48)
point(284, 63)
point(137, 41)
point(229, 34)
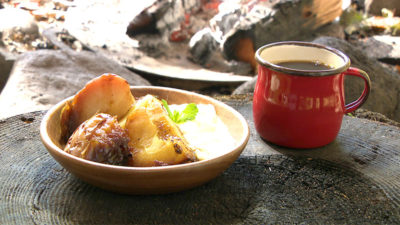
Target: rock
point(6, 62)
point(17, 20)
point(202, 45)
point(385, 92)
point(246, 87)
point(90, 28)
point(42, 78)
point(333, 29)
point(384, 48)
point(375, 6)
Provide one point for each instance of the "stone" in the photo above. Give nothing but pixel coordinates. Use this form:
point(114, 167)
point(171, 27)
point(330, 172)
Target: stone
point(6, 62)
point(246, 87)
point(202, 45)
point(385, 92)
point(17, 20)
point(384, 48)
point(42, 78)
point(333, 29)
point(374, 7)
point(90, 28)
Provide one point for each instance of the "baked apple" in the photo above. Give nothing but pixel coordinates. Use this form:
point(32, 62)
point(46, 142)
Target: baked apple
point(155, 140)
point(100, 139)
point(108, 93)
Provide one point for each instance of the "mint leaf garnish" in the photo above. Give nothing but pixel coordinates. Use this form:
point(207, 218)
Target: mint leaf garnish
point(188, 114)
point(167, 108)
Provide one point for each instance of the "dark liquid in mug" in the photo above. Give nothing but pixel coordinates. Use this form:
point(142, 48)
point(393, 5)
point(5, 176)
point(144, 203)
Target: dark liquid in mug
point(304, 65)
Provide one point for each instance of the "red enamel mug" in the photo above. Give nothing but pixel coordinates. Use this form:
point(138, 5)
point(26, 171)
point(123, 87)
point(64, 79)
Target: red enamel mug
point(302, 107)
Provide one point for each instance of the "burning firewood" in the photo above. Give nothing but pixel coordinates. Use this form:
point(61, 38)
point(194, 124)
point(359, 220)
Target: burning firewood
point(146, 21)
point(166, 17)
point(261, 22)
point(232, 30)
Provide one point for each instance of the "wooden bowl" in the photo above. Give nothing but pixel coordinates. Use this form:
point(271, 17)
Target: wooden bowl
point(149, 180)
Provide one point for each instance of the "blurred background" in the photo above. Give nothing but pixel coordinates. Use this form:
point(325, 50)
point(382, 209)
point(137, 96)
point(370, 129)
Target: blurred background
point(50, 49)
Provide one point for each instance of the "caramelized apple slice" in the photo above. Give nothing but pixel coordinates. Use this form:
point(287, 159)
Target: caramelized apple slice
point(100, 139)
point(108, 93)
point(155, 140)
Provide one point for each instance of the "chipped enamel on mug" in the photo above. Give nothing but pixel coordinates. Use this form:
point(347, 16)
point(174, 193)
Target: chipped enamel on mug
point(302, 108)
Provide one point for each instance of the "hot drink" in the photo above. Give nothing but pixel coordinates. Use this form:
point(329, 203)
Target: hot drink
point(305, 65)
point(299, 99)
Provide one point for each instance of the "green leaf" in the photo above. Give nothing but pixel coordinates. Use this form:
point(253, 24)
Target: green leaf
point(167, 108)
point(175, 116)
point(189, 113)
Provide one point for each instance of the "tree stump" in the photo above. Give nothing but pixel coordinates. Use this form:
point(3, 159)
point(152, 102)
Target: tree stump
point(354, 180)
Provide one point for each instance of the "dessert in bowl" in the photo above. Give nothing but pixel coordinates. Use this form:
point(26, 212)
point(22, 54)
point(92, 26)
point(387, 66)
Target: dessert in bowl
point(138, 176)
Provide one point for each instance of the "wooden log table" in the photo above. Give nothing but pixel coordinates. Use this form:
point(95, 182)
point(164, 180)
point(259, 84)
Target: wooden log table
point(355, 179)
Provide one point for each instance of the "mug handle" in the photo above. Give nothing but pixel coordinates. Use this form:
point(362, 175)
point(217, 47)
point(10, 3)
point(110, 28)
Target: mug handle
point(367, 87)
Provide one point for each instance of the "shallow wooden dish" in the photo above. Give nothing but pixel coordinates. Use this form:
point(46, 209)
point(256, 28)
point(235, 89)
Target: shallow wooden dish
point(149, 180)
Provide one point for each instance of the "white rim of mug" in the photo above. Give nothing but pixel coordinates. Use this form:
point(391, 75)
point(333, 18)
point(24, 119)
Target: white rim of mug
point(282, 69)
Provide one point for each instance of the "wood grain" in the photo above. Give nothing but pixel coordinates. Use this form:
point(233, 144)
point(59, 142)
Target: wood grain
point(353, 180)
point(368, 147)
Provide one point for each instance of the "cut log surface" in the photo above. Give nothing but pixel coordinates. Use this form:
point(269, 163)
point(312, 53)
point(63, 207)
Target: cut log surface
point(354, 180)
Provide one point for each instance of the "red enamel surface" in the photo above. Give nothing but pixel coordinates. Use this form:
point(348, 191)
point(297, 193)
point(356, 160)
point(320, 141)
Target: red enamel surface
point(367, 86)
point(298, 111)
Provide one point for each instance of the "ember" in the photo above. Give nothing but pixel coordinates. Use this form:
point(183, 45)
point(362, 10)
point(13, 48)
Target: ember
point(222, 35)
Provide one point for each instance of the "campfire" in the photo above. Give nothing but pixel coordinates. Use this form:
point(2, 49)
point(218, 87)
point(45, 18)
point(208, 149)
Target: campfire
point(223, 35)
point(202, 45)
point(217, 35)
